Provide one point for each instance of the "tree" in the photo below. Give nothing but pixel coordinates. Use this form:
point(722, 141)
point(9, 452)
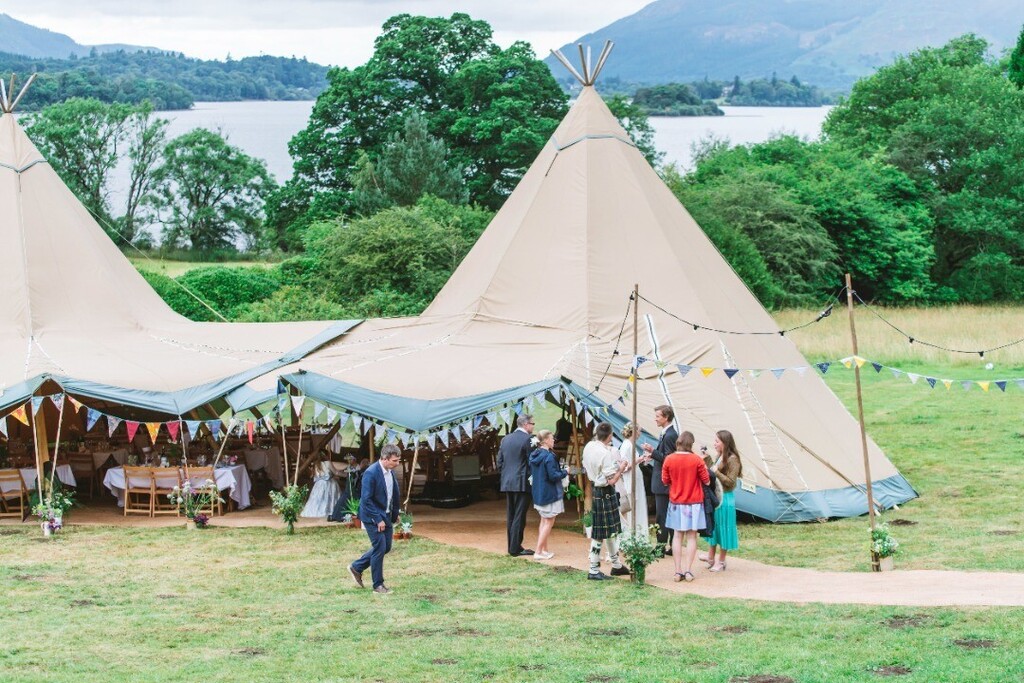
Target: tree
point(494, 109)
point(412, 165)
point(145, 141)
point(210, 194)
point(637, 125)
point(1015, 72)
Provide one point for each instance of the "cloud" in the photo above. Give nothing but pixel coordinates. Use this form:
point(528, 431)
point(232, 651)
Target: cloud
point(326, 31)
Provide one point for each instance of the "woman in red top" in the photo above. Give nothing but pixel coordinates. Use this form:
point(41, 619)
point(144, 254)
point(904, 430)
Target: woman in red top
point(683, 472)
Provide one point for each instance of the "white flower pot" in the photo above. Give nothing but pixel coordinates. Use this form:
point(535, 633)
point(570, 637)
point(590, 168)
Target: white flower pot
point(885, 564)
point(190, 524)
point(46, 530)
point(589, 530)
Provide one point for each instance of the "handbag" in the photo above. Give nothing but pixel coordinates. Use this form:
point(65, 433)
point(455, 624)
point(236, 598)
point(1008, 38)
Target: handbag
point(625, 504)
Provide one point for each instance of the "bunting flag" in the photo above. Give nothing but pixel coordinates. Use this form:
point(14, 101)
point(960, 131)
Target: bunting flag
point(467, 428)
point(193, 428)
point(492, 419)
point(948, 383)
point(684, 369)
point(984, 385)
point(357, 422)
point(58, 401)
point(755, 373)
point(342, 421)
point(91, 418)
point(967, 384)
point(707, 371)
point(250, 430)
point(859, 361)
point(297, 402)
point(931, 381)
point(1002, 385)
point(133, 427)
point(913, 377)
point(20, 415)
point(823, 367)
point(282, 400)
point(800, 370)
point(529, 402)
point(173, 428)
point(877, 366)
point(36, 402)
point(896, 372)
point(76, 403)
point(778, 372)
point(317, 409)
point(443, 436)
point(3, 426)
point(392, 435)
point(505, 416)
point(477, 421)
point(112, 424)
point(332, 415)
point(214, 427)
point(432, 441)
point(268, 422)
point(539, 396)
point(730, 372)
point(154, 430)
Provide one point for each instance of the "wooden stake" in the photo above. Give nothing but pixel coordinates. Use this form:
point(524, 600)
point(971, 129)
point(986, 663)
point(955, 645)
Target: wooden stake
point(371, 434)
point(412, 472)
point(860, 416)
point(636, 384)
point(42, 448)
point(56, 448)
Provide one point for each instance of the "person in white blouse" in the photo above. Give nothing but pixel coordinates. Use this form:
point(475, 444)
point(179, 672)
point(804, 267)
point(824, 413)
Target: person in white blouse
point(638, 507)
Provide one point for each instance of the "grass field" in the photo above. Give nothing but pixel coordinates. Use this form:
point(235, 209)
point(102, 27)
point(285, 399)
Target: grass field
point(175, 268)
point(247, 605)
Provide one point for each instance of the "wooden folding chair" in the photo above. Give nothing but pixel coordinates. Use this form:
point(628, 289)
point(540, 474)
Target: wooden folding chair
point(164, 481)
point(198, 477)
point(84, 469)
point(14, 495)
point(138, 481)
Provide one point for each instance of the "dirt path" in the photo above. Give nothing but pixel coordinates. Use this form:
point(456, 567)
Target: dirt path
point(749, 580)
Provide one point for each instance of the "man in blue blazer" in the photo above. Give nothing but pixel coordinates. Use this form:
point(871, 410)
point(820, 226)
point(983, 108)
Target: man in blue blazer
point(664, 417)
point(378, 511)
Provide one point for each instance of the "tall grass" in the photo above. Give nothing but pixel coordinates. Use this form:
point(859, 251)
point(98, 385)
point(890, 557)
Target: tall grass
point(960, 327)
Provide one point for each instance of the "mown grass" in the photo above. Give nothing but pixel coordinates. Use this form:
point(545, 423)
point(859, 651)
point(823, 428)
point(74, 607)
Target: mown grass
point(172, 268)
point(118, 604)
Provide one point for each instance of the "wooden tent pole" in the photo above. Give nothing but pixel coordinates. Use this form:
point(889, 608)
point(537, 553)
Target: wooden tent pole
point(298, 454)
point(371, 434)
point(42, 449)
point(56, 448)
point(284, 445)
point(860, 418)
point(412, 472)
point(636, 384)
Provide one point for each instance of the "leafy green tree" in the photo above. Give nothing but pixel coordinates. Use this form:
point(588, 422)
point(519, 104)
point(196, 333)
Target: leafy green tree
point(1016, 67)
point(146, 136)
point(412, 164)
point(210, 194)
point(634, 119)
point(292, 303)
point(226, 289)
point(494, 109)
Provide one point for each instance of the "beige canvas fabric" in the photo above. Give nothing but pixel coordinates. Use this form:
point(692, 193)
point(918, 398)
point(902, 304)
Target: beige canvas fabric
point(72, 305)
point(544, 292)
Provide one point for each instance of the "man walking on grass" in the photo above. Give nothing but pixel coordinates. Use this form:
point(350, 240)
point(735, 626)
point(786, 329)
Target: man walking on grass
point(378, 511)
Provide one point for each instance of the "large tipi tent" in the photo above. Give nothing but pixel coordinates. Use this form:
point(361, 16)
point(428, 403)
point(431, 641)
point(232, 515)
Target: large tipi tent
point(539, 306)
point(75, 311)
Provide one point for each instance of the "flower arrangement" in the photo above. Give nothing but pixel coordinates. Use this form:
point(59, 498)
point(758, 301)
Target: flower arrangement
point(573, 492)
point(882, 542)
point(639, 552)
point(192, 499)
point(404, 524)
point(288, 504)
point(352, 512)
point(54, 505)
point(202, 520)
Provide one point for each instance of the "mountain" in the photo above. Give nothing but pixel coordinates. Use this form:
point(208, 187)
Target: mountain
point(17, 37)
point(824, 42)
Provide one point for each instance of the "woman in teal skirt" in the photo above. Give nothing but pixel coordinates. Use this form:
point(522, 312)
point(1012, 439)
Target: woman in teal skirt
point(728, 469)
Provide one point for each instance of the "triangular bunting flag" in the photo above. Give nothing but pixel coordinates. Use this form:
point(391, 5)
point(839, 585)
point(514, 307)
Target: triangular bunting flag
point(58, 400)
point(297, 402)
point(477, 421)
point(154, 430)
point(848, 362)
point(707, 371)
point(343, 420)
point(91, 418)
point(948, 383)
point(913, 377)
point(432, 441)
point(931, 381)
point(518, 408)
point(268, 422)
point(778, 372)
point(392, 436)
point(20, 415)
point(467, 428)
point(660, 364)
point(193, 428)
point(1020, 383)
point(443, 436)
point(133, 428)
point(730, 372)
point(529, 402)
point(76, 403)
point(357, 422)
point(505, 416)
point(984, 385)
point(492, 419)
point(317, 409)
point(112, 424)
point(173, 429)
point(250, 430)
point(859, 361)
point(823, 367)
point(802, 370)
point(539, 396)
point(755, 373)
point(36, 402)
point(282, 399)
point(877, 366)
point(587, 417)
point(967, 384)
point(683, 369)
point(638, 361)
point(895, 373)
point(3, 426)
point(332, 415)
point(1001, 384)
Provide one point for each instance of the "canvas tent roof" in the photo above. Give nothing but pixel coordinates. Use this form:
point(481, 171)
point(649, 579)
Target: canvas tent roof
point(72, 308)
point(540, 301)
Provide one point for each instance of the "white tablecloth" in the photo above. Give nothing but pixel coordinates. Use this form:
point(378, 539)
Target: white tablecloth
point(64, 473)
point(100, 457)
point(234, 478)
point(268, 460)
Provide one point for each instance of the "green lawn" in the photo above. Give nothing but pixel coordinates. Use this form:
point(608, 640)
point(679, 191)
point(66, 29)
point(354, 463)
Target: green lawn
point(119, 604)
point(175, 268)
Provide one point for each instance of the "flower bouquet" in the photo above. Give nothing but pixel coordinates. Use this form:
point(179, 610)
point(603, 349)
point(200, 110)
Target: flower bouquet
point(639, 552)
point(884, 546)
point(48, 519)
point(288, 504)
point(192, 500)
point(404, 529)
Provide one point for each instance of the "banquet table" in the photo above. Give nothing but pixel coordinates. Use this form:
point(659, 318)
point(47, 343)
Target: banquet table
point(64, 473)
point(235, 478)
point(100, 457)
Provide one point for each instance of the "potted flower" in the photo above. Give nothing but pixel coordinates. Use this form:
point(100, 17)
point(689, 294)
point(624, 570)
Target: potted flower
point(288, 504)
point(404, 525)
point(639, 553)
point(191, 500)
point(588, 522)
point(884, 546)
point(352, 513)
point(48, 519)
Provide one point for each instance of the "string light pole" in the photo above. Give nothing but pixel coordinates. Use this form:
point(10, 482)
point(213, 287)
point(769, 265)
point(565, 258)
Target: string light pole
point(635, 374)
point(860, 415)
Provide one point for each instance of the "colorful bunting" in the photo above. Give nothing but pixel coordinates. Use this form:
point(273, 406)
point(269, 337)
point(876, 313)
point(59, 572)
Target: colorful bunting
point(317, 409)
point(730, 372)
point(823, 367)
point(683, 369)
point(877, 366)
point(931, 381)
point(1002, 385)
point(174, 427)
point(707, 371)
point(133, 427)
point(250, 430)
point(36, 402)
point(20, 415)
point(214, 427)
point(778, 372)
point(154, 430)
point(58, 401)
point(297, 402)
point(91, 418)
point(112, 425)
point(342, 420)
point(193, 428)
point(332, 415)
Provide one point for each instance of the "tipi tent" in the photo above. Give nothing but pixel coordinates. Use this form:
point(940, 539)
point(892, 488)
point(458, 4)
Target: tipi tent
point(74, 310)
point(540, 305)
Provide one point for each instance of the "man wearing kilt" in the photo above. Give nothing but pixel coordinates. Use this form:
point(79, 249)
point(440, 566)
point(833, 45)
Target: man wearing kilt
point(604, 468)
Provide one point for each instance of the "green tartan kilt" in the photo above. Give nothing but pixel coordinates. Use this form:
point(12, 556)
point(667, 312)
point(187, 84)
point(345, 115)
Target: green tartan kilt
point(605, 512)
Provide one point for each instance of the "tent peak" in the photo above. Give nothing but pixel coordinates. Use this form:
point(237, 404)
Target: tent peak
point(590, 69)
point(6, 104)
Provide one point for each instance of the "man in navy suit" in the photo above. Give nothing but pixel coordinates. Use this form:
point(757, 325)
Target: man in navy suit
point(378, 511)
point(664, 416)
point(513, 468)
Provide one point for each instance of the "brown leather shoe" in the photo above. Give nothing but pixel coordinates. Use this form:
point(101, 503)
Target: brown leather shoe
point(382, 590)
point(356, 576)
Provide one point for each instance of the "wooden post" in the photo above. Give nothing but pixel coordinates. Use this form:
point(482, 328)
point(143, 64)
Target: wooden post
point(577, 447)
point(412, 472)
point(636, 384)
point(56, 450)
point(860, 416)
point(42, 446)
point(371, 434)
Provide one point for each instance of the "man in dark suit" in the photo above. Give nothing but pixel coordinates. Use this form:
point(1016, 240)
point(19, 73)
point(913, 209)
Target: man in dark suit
point(663, 417)
point(513, 467)
point(378, 511)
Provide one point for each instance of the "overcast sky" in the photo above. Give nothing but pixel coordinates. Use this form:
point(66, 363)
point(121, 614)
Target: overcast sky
point(326, 31)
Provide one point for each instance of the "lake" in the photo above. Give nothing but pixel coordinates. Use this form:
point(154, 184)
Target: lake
point(263, 130)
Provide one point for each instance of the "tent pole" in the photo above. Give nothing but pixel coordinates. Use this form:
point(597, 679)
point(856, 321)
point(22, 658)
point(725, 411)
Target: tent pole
point(633, 436)
point(298, 455)
point(371, 434)
point(860, 416)
point(56, 449)
point(577, 446)
point(412, 472)
point(284, 446)
point(42, 448)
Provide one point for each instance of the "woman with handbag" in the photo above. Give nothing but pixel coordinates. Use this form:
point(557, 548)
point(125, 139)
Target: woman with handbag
point(628, 506)
point(729, 469)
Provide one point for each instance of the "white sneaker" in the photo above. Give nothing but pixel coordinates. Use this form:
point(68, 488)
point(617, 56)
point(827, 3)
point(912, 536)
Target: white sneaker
point(543, 556)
